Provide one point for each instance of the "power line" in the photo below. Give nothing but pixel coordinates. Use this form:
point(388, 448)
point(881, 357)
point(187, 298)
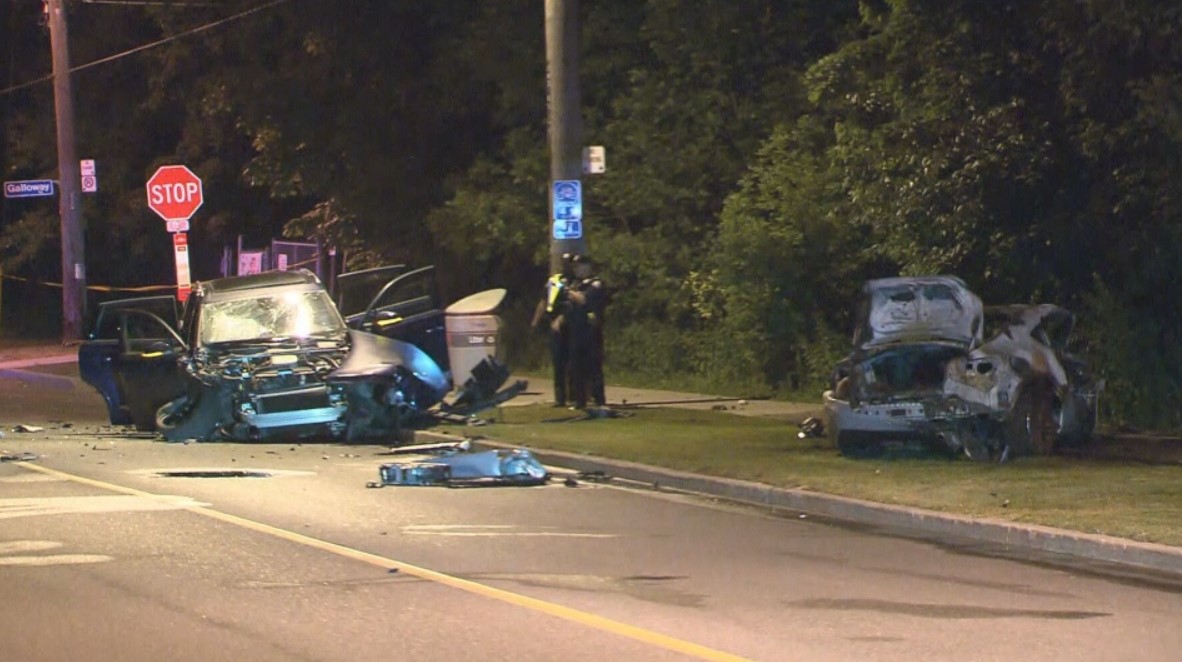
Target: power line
point(144, 47)
point(158, 3)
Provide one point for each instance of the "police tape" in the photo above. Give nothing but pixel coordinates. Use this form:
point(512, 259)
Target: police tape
point(92, 288)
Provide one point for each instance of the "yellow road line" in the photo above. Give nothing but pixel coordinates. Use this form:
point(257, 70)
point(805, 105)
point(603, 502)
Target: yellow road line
point(550, 608)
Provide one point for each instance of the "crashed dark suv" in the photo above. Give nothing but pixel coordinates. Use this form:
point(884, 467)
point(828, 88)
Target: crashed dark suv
point(265, 357)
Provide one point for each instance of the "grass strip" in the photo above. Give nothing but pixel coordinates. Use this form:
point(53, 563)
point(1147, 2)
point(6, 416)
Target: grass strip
point(1125, 499)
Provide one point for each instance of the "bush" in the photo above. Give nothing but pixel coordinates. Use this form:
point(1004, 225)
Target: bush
point(1138, 358)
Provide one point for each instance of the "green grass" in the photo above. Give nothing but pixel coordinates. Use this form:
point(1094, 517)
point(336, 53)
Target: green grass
point(1124, 499)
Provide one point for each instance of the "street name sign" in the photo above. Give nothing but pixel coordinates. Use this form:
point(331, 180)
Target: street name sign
point(29, 188)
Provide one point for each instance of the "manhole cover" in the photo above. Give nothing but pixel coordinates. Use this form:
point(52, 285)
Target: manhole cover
point(215, 473)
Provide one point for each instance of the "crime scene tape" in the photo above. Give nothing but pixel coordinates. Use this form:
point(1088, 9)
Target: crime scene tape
point(93, 288)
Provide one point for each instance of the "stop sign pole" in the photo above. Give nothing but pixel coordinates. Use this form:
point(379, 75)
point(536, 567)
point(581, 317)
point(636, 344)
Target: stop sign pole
point(175, 194)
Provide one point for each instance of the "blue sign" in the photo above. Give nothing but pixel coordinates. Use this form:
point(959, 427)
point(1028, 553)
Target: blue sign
point(568, 229)
point(568, 202)
point(30, 188)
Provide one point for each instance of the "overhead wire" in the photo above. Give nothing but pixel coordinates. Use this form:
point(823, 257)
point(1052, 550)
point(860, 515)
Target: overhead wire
point(144, 47)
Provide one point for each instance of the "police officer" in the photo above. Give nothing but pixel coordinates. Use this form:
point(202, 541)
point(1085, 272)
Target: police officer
point(588, 299)
point(554, 310)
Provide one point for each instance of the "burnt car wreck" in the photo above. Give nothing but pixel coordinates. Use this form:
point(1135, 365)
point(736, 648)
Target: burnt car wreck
point(922, 377)
point(271, 357)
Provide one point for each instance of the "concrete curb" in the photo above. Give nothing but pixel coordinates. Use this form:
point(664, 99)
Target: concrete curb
point(17, 369)
point(927, 524)
point(59, 382)
point(17, 364)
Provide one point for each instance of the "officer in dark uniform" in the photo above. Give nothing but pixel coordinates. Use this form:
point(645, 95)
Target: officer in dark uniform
point(554, 310)
point(585, 317)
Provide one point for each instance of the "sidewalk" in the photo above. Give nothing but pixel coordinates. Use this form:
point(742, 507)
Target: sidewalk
point(540, 393)
point(983, 535)
point(13, 351)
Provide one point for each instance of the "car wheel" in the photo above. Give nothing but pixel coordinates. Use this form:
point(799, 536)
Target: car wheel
point(1030, 428)
point(190, 416)
point(143, 417)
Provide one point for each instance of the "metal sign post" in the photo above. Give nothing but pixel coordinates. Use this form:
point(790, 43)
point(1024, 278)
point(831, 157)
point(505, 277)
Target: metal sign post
point(180, 248)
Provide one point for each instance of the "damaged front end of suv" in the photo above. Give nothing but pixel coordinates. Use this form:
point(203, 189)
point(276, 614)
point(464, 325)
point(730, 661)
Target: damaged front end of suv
point(920, 377)
point(259, 358)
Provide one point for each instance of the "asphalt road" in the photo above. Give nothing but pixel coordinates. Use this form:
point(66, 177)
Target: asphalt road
point(101, 557)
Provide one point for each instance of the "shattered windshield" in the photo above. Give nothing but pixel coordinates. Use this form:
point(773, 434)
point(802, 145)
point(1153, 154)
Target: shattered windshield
point(291, 314)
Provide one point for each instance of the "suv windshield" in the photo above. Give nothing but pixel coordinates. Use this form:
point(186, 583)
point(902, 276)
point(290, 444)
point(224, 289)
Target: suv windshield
point(291, 314)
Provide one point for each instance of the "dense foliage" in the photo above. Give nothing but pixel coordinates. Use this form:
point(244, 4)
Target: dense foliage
point(764, 158)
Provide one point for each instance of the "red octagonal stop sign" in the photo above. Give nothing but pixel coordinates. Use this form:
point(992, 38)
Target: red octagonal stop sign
point(174, 193)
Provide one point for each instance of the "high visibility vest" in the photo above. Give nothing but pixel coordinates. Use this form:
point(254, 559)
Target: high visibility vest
point(554, 287)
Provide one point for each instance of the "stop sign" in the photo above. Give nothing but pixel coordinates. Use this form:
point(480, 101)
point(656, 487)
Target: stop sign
point(174, 192)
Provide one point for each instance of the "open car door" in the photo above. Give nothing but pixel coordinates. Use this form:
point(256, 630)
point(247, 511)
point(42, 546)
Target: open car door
point(147, 370)
point(407, 308)
point(354, 291)
point(100, 354)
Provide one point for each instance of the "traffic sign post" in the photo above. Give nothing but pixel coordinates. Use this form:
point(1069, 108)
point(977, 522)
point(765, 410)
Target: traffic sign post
point(174, 193)
point(180, 248)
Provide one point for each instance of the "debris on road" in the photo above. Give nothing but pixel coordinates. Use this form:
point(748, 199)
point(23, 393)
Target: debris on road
point(811, 427)
point(594, 476)
point(27, 428)
point(441, 447)
point(496, 467)
point(19, 457)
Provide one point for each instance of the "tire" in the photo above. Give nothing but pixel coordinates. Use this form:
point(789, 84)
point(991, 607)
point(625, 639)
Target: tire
point(1030, 427)
point(143, 418)
point(192, 417)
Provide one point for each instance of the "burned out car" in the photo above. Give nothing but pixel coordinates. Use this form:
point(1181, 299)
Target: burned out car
point(268, 357)
point(921, 376)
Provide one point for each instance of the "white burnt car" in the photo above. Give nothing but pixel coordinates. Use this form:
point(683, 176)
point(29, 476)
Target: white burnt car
point(269, 356)
point(922, 377)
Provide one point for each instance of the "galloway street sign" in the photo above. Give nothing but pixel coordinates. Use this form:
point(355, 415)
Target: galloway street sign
point(30, 188)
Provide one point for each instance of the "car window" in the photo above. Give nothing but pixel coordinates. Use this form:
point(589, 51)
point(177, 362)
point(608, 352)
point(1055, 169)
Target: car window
point(107, 325)
point(289, 314)
point(357, 289)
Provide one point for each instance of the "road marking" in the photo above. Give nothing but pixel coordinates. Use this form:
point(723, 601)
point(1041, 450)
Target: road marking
point(552, 609)
point(34, 507)
point(488, 530)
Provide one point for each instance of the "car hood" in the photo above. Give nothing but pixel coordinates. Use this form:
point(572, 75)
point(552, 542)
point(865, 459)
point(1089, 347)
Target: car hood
point(919, 309)
point(373, 356)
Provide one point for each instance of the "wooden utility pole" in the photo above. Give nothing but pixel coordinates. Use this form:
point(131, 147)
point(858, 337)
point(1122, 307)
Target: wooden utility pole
point(565, 127)
point(73, 244)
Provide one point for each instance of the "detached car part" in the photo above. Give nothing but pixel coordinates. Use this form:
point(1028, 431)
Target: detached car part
point(496, 467)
